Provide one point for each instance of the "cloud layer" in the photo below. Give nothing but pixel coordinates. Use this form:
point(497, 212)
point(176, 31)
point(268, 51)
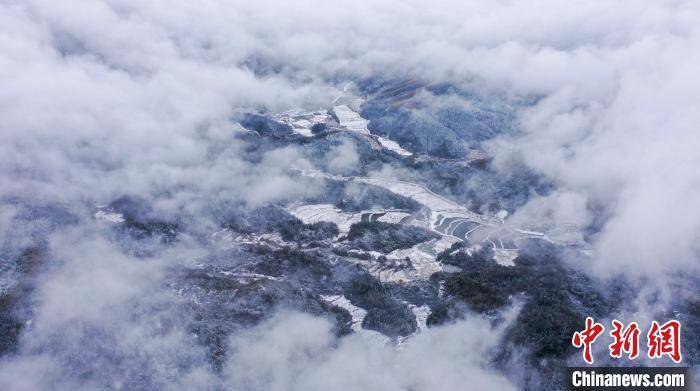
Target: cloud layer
point(132, 94)
point(135, 97)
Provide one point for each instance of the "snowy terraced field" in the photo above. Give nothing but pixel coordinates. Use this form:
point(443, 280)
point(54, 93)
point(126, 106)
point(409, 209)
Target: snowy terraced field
point(358, 315)
point(310, 214)
point(393, 146)
point(438, 205)
point(454, 223)
point(448, 218)
point(351, 120)
point(422, 265)
point(355, 123)
point(301, 121)
point(422, 255)
point(423, 259)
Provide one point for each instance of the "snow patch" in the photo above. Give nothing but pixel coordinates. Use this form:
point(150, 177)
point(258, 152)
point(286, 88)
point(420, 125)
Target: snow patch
point(505, 257)
point(351, 120)
point(310, 214)
point(227, 238)
point(358, 315)
point(393, 146)
point(422, 312)
point(302, 121)
point(355, 123)
point(248, 277)
point(110, 217)
point(422, 263)
point(314, 213)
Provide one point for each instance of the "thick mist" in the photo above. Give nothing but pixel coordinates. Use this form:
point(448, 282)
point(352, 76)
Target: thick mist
point(142, 98)
point(135, 93)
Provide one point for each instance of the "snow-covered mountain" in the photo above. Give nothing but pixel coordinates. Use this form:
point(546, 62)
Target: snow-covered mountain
point(365, 195)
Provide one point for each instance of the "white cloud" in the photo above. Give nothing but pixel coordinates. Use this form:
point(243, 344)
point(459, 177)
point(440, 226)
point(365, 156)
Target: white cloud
point(343, 158)
point(298, 352)
point(111, 97)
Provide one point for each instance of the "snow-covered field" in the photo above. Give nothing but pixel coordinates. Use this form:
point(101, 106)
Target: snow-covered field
point(109, 216)
point(423, 261)
point(351, 120)
point(422, 312)
point(226, 238)
point(358, 315)
point(422, 264)
point(301, 121)
point(451, 220)
point(393, 146)
point(355, 123)
point(310, 214)
point(439, 206)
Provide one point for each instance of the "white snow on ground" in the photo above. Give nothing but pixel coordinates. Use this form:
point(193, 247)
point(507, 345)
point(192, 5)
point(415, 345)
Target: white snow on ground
point(110, 217)
point(249, 277)
point(494, 230)
point(532, 234)
point(505, 257)
point(355, 123)
point(393, 216)
point(393, 146)
point(301, 121)
point(422, 259)
point(382, 272)
point(422, 312)
point(438, 205)
point(226, 238)
point(423, 263)
point(8, 276)
point(358, 315)
point(444, 243)
point(491, 230)
point(302, 127)
point(310, 214)
point(447, 218)
point(351, 120)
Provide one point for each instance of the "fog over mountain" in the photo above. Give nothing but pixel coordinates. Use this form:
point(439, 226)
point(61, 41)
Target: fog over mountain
point(380, 195)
